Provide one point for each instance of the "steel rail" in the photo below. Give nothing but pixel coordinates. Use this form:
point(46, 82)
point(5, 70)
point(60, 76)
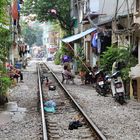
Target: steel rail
point(91, 123)
point(45, 136)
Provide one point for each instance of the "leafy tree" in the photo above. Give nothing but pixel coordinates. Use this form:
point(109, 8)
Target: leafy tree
point(65, 49)
point(51, 10)
point(32, 35)
point(5, 43)
point(3, 12)
point(29, 36)
point(5, 40)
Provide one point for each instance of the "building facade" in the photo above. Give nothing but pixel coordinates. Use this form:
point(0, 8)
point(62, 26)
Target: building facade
point(121, 18)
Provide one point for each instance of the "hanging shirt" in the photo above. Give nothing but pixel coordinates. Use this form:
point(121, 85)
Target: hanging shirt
point(99, 45)
point(94, 40)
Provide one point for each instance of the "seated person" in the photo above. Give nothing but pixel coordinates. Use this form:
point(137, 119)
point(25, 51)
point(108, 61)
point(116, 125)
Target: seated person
point(67, 73)
point(16, 73)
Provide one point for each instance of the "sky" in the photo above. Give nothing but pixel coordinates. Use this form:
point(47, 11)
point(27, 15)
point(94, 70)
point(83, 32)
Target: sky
point(95, 6)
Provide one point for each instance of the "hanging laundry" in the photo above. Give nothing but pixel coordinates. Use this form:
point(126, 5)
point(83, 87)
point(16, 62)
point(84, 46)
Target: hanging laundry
point(18, 6)
point(96, 43)
point(94, 40)
point(15, 10)
point(98, 46)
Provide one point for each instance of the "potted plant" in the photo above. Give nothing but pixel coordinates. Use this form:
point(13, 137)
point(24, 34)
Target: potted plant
point(5, 83)
point(123, 55)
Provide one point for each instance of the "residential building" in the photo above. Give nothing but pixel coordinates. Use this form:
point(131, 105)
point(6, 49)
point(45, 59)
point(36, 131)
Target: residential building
point(99, 14)
point(14, 12)
point(119, 18)
point(79, 11)
point(51, 39)
point(135, 71)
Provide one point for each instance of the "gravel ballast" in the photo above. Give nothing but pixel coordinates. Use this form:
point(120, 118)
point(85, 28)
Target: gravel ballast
point(117, 122)
point(24, 124)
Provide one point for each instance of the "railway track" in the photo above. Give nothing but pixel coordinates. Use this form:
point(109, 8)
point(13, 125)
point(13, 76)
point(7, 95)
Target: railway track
point(67, 111)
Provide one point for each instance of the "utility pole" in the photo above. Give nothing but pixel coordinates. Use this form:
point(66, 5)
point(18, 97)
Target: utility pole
point(114, 25)
point(128, 23)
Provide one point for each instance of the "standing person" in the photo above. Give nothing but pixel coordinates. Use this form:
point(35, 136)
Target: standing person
point(114, 67)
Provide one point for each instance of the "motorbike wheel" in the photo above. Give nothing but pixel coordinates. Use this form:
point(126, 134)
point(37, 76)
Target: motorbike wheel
point(107, 89)
point(100, 90)
point(121, 100)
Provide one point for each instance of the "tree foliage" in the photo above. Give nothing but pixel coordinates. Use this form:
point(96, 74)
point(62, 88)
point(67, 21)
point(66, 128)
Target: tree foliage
point(3, 11)
point(52, 10)
point(5, 40)
point(5, 43)
point(32, 35)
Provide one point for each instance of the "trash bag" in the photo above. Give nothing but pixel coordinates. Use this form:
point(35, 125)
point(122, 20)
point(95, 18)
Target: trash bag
point(49, 109)
point(74, 125)
point(50, 103)
point(50, 106)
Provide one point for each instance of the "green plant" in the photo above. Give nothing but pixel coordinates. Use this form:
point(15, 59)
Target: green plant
point(81, 62)
point(63, 50)
point(108, 57)
point(5, 83)
point(54, 11)
point(57, 61)
point(119, 53)
point(57, 58)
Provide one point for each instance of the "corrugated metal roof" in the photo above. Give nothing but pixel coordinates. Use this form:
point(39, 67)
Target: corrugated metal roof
point(78, 36)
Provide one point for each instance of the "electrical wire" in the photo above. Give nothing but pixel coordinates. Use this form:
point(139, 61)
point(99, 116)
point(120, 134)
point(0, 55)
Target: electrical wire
point(103, 7)
point(120, 6)
point(116, 10)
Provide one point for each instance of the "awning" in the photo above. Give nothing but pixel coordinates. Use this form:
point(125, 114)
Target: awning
point(78, 36)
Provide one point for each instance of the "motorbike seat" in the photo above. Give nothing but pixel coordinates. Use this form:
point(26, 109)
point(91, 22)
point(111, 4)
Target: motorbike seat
point(108, 78)
point(117, 82)
point(99, 72)
point(116, 74)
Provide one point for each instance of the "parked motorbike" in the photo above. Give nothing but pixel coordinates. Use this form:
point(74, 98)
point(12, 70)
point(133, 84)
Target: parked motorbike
point(108, 83)
point(117, 87)
point(89, 79)
point(102, 83)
